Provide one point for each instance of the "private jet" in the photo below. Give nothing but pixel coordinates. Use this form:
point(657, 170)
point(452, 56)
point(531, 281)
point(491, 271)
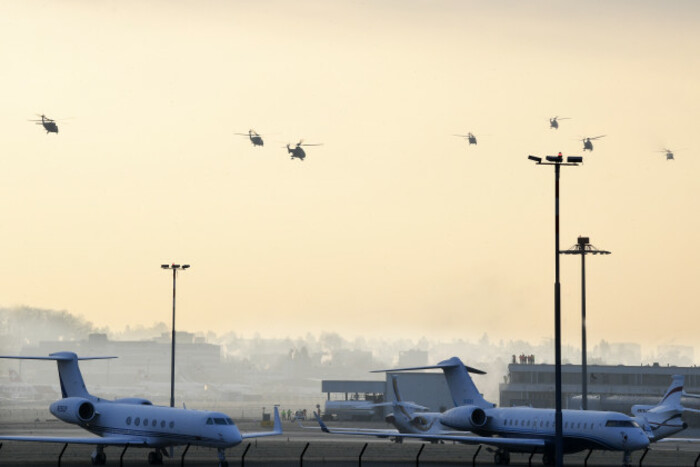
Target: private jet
point(407, 417)
point(521, 429)
point(134, 421)
point(664, 419)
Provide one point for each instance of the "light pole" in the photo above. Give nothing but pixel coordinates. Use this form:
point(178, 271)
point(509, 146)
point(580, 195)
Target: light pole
point(583, 248)
point(175, 268)
point(557, 162)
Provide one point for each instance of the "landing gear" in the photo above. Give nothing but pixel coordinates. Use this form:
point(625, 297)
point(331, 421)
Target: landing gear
point(98, 456)
point(501, 457)
point(155, 458)
point(626, 462)
point(222, 458)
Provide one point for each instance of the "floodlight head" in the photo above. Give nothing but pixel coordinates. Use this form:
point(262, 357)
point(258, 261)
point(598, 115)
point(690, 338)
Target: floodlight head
point(535, 158)
point(164, 266)
point(575, 159)
point(558, 158)
point(185, 266)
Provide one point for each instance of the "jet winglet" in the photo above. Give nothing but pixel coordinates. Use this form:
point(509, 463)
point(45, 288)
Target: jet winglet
point(277, 427)
point(320, 422)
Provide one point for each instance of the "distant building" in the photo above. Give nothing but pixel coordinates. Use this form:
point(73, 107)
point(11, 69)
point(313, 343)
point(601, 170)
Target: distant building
point(410, 358)
point(609, 387)
point(137, 362)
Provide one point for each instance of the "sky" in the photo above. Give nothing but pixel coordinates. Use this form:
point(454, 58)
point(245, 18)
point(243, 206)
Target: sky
point(394, 226)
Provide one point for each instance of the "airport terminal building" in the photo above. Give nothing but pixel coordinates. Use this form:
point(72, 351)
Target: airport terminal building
point(610, 387)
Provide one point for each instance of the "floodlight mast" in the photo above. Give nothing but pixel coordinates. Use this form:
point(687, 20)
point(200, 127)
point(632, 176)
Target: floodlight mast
point(583, 248)
point(557, 161)
point(175, 268)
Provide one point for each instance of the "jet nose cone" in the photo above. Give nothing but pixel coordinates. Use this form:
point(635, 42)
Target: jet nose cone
point(639, 440)
point(233, 436)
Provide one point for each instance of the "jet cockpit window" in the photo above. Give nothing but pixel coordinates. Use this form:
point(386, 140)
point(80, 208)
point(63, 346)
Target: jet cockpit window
point(220, 421)
point(210, 421)
point(229, 421)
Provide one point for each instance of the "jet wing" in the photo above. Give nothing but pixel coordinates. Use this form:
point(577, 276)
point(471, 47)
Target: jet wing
point(379, 432)
point(106, 441)
point(466, 439)
point(276, 429)
point(679, 440)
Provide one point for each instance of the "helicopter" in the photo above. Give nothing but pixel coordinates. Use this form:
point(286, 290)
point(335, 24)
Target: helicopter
point(297, 151)
point(49, 125)
point(255, 138)
point(587, 145)
point(554, 123)
point(669, 154)
point(470, 137)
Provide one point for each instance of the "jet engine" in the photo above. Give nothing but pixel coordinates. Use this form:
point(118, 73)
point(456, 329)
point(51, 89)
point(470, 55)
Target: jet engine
point(466, 417)
point(74, 410)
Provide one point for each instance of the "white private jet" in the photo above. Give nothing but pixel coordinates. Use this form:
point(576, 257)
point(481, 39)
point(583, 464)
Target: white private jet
point(664, 419)
point(407, 417)
point(135, 421)
point(522, 429)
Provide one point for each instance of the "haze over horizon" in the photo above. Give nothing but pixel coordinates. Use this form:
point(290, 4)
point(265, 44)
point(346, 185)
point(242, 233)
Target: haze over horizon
point(394, 227)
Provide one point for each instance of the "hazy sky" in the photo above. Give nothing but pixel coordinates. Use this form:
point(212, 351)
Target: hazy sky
point(393, 226)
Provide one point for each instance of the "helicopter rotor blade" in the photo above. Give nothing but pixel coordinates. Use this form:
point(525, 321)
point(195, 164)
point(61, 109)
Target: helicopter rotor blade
point(598, 137)
point(312, 144)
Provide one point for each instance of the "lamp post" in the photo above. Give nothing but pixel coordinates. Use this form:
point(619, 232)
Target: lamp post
point(175, 268)
point(583, 248)
point(557, 161)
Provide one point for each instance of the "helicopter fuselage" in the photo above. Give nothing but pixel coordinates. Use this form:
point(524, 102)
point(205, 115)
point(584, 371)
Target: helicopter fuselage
point(297, 152)
point(50, 127)
point(587, 145)
point(257, 141)
point(48, 124)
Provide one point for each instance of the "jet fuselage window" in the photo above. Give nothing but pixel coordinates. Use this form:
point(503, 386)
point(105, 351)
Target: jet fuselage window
point(128, 420)
point(620, 423)
point(154, 423)
point(137, 422)
point(172, 425)
point(162, 423)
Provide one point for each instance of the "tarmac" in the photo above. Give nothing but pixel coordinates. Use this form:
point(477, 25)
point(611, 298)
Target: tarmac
point(312, 448)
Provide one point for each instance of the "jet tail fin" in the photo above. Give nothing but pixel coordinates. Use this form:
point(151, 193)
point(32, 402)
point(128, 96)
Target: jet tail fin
point(72, 383)
point(673, 394)
point(462, 388)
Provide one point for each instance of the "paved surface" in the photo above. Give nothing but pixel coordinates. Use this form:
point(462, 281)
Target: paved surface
point(322, 450)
